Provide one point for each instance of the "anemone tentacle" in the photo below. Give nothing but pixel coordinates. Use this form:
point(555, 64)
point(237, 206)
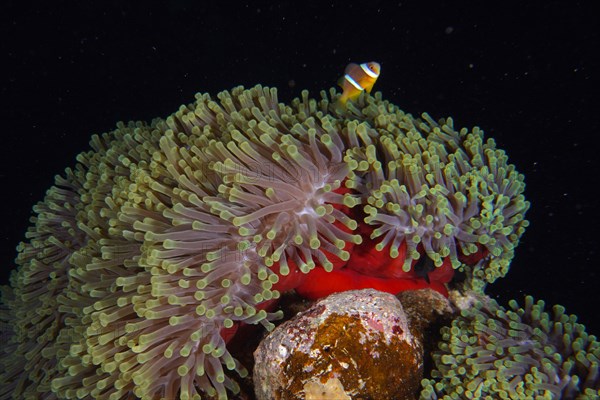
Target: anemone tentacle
point(514, 353)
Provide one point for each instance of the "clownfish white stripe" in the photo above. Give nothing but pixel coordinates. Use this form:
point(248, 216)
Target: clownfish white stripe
point(353, 82)
point(368, 71)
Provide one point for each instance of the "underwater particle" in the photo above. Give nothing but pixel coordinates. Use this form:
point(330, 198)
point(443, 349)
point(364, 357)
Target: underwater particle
point(354, 336)
point(513, 353)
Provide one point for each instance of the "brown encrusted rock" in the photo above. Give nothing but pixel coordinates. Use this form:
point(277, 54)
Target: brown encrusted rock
point(356, 344)
point(425, 307)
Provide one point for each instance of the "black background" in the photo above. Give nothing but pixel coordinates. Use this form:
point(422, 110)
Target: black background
point(522, 71)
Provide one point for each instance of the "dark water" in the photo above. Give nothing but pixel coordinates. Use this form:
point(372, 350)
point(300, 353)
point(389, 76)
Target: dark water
point(522, 72)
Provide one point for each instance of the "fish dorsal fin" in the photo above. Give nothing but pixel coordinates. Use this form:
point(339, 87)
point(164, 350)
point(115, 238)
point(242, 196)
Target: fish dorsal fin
point(350, 67)
point(342, 79)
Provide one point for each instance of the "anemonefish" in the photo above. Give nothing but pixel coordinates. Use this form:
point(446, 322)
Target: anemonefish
point(358, 77)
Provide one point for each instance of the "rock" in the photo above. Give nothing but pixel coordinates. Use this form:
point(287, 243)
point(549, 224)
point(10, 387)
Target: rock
point(425, 307)
point(354, 344)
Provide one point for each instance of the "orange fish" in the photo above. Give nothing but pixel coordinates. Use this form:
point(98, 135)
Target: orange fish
point(358, 77)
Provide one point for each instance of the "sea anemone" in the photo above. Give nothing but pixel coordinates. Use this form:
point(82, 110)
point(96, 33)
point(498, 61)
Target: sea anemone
point(445, 193)
point(35, 318)
point(519, 353)
point(145, 258)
